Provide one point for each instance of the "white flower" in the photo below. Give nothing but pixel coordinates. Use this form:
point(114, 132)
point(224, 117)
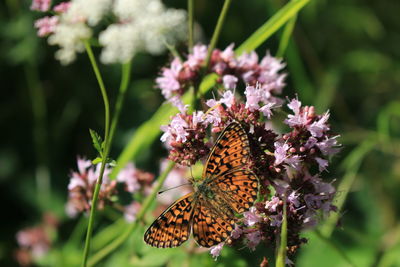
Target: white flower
point(91, 11)
point(120, 42)
point(145, 25)
point(69, 36)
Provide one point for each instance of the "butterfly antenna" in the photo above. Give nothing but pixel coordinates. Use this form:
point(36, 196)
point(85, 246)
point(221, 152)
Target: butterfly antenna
point(160, 192)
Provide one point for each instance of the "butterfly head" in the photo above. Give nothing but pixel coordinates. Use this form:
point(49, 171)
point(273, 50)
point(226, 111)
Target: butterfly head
point(204, 189)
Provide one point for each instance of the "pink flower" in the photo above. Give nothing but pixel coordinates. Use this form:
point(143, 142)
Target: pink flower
point(267, 110)
point(176, 130)
point(323, 163)
point(312, 141)
point(62, 7)
point(177, 102)
point(252, 98)
point(299, 118)
point(216, 250)
point(168, 82)
point(229, 81)
point(251, 217)
point(280, 152)
point(254, 239)
point(197, 57)
point(128, 175)
point(227, 98)
point(271, 64)
point(317, 128)
point(248, 60)
point(276, 220)
point(228, 55)
point(293, 198)
point(130, 211)
point(328, 146)
point(272, 204)
point(46, 25)
point(41, 5)
point(237, 232)
point(198, 117)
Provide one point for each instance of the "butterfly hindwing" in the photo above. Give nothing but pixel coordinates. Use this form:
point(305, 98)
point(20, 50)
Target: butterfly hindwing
point(209, 228)
point(239, 188)
point(172, 227)
point(230, 151)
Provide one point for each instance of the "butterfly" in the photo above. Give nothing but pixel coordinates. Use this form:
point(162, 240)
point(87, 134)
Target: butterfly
point(227, 187)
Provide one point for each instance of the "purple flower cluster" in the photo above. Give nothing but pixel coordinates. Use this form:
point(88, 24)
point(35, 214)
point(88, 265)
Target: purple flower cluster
point(288, 165)
point(295, 162)
point(83, 181)
point(247, 68)
point(35, 242)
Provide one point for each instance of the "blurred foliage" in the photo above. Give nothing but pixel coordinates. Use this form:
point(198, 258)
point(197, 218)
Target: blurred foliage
point(344, 57)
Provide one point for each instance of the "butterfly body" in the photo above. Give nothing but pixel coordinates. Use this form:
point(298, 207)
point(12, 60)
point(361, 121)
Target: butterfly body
point(226, 188)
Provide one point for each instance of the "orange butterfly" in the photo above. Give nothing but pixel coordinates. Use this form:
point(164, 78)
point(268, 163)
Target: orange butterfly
point(227, 187)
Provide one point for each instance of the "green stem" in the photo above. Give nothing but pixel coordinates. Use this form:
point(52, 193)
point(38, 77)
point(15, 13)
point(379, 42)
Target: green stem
point(125, 79)
point(281, 252)
point(106, 150)
point(190, 24)
point(125, 235)
point(285, 38)
point(217, 32)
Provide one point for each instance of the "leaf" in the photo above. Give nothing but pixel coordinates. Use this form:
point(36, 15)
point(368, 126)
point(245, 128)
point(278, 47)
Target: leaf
point(97, 141)
point(97, 160)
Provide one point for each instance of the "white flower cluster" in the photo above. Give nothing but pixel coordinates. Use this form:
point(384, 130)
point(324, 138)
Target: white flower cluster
point(142, 25)
point(145, 25)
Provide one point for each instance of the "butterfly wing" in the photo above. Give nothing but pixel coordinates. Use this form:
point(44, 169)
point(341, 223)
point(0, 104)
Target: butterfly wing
point(230, 151)
point(172, 227)
point(238, 188)
point(210, 226)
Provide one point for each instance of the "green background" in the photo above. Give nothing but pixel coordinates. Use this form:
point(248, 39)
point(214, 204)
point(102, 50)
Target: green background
point(344, 56)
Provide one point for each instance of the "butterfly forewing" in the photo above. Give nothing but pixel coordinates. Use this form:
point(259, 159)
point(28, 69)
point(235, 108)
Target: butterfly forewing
point(230, 151)
point(172, 227)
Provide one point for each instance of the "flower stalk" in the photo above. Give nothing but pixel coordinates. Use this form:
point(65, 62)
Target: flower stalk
point(106, 150)
point(217, 32)
point(190, 24)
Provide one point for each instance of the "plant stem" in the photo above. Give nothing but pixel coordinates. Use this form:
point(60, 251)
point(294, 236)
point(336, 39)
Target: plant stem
point(190, 24)
point(106, 150)
point(217, 32)
point(124, 236)
point(281, 252)
point(285, 38)
point(125, 79)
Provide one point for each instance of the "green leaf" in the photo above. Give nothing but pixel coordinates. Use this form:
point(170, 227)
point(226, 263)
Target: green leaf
point(271, 26)
point(97, 160)
point(97, 141)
